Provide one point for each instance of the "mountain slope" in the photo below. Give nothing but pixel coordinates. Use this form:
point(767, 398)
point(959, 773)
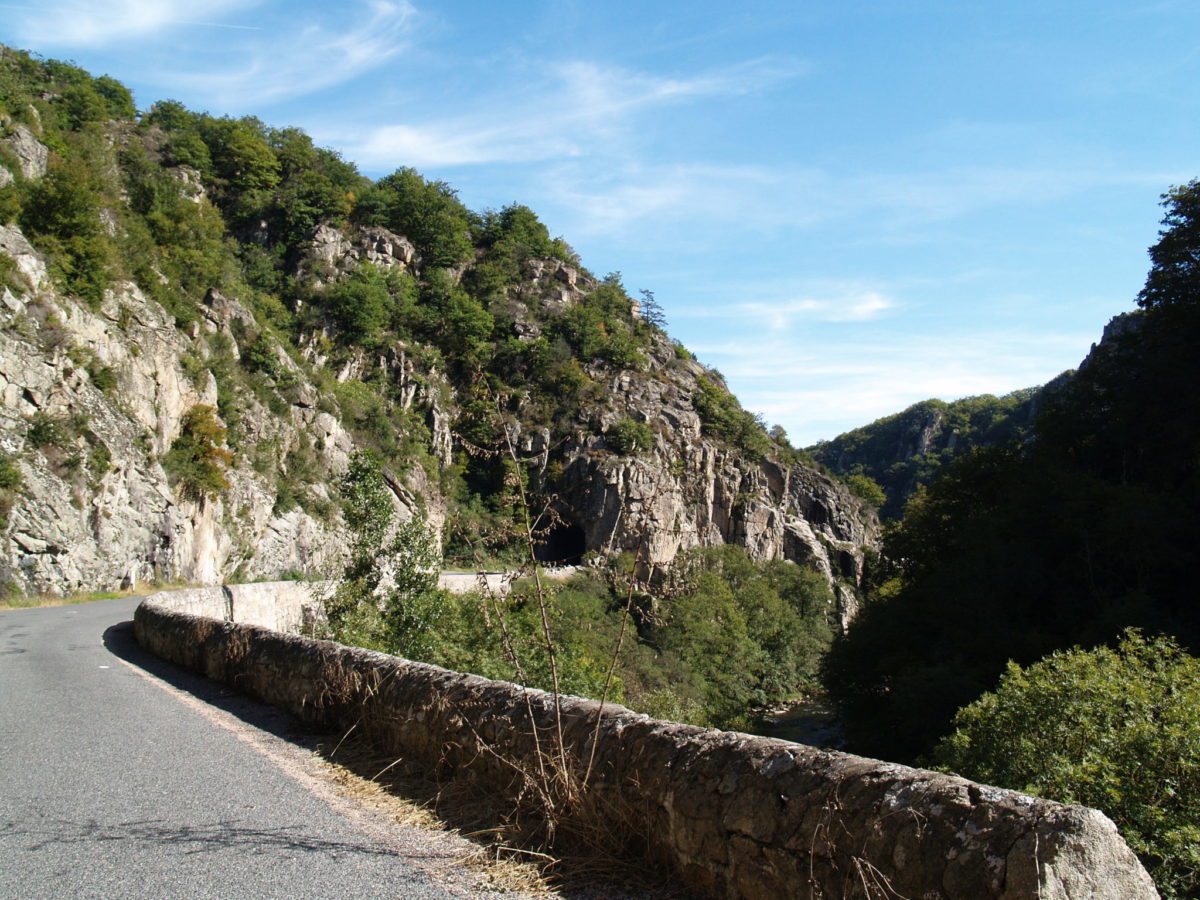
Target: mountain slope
point(204, 318)
point(906, 450)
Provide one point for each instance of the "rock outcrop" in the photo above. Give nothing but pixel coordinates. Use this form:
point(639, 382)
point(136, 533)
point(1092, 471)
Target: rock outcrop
point(111, 387)
point(692, 490)
point(97, 396)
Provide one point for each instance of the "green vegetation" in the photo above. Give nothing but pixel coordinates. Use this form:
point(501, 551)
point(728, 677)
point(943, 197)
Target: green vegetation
point(1067, 539)
point(1115, 729)
point(10, 484)
point(867, 488)
point(723, 417)
point(185, 203)
point(902, 452)
point(629, 437)
point(197, 461)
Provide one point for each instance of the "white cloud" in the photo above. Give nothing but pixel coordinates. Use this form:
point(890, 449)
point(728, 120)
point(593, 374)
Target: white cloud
point(307, 56)
point(285, 55)
point(93, 24)
point(820, 389)
point(586, 109)
point(857, 306)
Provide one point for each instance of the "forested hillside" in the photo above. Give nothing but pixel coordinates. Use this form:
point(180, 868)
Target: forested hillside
point(902, 452)
point(219, 341)
point(1064, 537)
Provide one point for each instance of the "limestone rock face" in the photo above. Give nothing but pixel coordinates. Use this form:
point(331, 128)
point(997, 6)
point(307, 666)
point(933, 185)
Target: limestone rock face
point(334, 252)
point(114, 385)
point(96, 508)
point(691, 490)
point(31, 154)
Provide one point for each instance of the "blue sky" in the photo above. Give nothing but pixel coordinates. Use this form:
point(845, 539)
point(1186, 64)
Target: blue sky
point(845, 207)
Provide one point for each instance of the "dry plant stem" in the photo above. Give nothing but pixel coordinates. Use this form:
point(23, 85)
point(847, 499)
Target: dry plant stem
point(511, 652)
point(612, 666)
point(543, 609)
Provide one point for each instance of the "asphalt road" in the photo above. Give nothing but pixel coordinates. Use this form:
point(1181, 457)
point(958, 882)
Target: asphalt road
point(122, 776)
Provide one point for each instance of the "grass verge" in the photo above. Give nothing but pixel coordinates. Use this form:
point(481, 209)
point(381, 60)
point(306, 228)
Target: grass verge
point(29, 601)
point(509, 852)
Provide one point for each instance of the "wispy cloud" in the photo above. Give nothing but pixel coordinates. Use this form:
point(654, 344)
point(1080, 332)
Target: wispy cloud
point(308, 55)
point(585, 109)
point(282, 55)
point(93, 24)
point(853, 305)
point(819, 389)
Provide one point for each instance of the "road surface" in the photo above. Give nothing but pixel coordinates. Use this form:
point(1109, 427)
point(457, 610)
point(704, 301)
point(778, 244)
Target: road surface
point(122, 776)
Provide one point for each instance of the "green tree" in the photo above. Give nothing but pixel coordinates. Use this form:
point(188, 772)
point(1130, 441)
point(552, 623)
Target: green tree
point(867, 488)
point(1174, 278)
point(61, 213)
point(241, 155)
point(426, 212)
point(387, 596)
point(748, 634)
point(197, 461)
point(1116, 729)
point(628, 437)
point(362, 305)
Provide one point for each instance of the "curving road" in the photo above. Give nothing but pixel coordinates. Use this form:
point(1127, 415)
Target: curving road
point(121, 776)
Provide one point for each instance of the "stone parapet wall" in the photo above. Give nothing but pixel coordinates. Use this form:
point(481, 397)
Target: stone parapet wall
point(736, 816)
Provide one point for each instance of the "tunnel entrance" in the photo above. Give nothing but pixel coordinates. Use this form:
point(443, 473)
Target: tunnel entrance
point(563, 545)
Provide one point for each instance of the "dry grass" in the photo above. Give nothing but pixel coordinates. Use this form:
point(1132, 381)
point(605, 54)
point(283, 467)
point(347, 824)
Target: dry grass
point(380, 786)
point(512, 855)
point(30, 601)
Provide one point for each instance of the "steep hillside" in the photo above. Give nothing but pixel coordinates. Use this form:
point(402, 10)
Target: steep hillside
point(204, 318)
point(903, 451)
point(1021, 549)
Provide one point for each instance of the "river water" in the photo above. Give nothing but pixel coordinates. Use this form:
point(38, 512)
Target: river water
point(809, 722)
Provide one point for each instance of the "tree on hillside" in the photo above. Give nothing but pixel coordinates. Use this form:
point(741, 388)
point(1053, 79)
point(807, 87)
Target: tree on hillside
point(387, 597)
point(1174, 278)
point(1020, 550)
point(1117, 729)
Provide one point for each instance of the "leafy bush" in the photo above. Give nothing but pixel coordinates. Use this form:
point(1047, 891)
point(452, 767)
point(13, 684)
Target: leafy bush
point(628, 437)
point(426, 212)
point(362, 305)
point(867, 488)
point(61, 213)
point(747, 634)
point(49, 431)
point(196, 462)
point(387, 597)
point(10, 475)
point(722, 416)
point(10, 484)
point(1116, 729)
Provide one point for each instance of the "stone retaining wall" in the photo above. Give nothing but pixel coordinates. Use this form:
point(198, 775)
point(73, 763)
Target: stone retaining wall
point(736, 816)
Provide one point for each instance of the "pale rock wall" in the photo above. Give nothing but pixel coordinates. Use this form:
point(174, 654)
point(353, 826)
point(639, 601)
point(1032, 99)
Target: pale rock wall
point(736, 816)
point(85, 525)
point(690, 490)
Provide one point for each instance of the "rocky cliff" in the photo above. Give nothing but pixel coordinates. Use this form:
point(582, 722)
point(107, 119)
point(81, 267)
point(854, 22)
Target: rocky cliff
point(184, 408)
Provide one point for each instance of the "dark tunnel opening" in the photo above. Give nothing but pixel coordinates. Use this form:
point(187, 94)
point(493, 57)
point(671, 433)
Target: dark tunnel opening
point(563, 545)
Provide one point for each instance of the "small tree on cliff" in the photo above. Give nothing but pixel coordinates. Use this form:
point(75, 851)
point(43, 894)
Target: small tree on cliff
point(197, 461)
point(387, 597)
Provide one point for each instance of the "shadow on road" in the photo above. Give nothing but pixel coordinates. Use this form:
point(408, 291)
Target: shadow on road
point(459, 807)
point(120, 641)
point(201, 838)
